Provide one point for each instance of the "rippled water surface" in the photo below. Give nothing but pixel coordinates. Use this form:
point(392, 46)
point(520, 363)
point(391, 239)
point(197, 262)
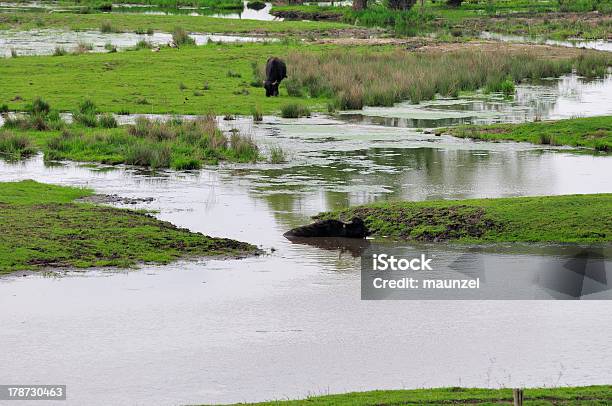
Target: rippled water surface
point(600, 44)
point(291, 323)
point(45, 41)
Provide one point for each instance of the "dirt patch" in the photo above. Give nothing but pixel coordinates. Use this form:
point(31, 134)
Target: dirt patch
point(114, 199)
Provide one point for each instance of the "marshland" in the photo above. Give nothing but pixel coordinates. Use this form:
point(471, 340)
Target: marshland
point(146, 182)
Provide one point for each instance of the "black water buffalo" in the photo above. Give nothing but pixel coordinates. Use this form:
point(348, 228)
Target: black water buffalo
point(276, 71)
point(331, 228)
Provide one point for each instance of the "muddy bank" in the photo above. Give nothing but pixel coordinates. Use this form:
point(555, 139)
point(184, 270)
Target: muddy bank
point(114, 199)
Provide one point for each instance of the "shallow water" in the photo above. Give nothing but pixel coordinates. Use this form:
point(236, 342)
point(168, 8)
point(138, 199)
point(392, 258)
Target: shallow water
point(552, 99)
point(44, 41)
point(291, 323)
point(600, 44)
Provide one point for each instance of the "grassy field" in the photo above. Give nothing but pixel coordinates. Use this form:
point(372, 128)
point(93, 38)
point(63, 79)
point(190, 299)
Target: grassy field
point(227, 78)
point(590, 132)
point(194, 80)
point(166, 23)
point(588, 395)
point(42, 227)
point(574, 218)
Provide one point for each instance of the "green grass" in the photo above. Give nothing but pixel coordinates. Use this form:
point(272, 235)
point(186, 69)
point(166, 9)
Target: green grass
point(566, 396)
point(197, 80)
point(147, 82)
point(590, 132)
point(167, 23)
point(574, 218)
point(173, 144)
point(42, 227)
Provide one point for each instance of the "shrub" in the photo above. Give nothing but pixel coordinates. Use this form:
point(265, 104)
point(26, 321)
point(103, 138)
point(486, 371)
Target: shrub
point(4, 108)
point(294, 110)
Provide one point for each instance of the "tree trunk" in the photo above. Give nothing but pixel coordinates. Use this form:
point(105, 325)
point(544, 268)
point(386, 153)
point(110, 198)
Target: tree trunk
point(360, 4)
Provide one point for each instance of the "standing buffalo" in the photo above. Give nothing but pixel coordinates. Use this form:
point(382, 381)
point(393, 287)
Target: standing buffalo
point(276, 71)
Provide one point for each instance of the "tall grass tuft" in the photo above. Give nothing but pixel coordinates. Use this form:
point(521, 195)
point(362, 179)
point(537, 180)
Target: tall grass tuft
point(181, 37)
point(107, 27)
point(294, 110)
point(39, 117)
point(15, 146)
point(277, 155)
point(59, 51)
point(86, 114)
point(257, 114)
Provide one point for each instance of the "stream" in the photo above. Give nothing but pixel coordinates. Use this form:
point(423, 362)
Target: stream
point(291, 323)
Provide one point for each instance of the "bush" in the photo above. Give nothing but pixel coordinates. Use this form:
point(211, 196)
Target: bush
point(4, 108)
point(294, 110)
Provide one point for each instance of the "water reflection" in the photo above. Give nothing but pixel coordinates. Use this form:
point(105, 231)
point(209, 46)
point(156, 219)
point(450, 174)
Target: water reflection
point(45, 41)
point(550, 99)
point(600, 44)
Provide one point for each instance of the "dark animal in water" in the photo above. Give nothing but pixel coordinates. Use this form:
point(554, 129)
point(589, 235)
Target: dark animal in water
point(276, 71)
point(331, 228)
